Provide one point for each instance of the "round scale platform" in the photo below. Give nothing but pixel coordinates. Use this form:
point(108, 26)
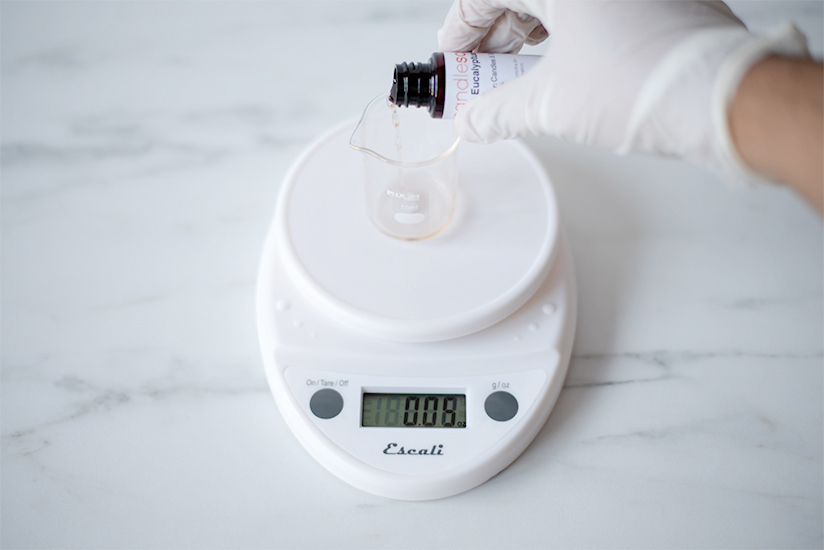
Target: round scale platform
point(453, 348)
point(481, 268)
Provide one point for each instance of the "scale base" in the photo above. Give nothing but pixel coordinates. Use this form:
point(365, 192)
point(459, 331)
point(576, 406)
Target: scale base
point(321, 358)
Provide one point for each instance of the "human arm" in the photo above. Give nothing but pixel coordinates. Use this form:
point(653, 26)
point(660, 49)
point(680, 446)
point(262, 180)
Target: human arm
point(777, 124)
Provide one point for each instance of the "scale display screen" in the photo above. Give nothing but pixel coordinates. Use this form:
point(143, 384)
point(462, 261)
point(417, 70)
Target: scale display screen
point(413, 410)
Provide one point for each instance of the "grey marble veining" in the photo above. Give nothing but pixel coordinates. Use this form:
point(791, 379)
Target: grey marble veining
point(142, 146)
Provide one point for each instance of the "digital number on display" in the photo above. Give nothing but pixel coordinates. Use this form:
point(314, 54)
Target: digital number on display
point(412, 410)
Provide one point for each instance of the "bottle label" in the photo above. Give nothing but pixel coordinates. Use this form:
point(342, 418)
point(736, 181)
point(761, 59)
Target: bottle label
point(470, 74)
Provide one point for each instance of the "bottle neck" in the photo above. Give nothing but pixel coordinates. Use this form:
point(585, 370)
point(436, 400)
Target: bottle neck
point(412, 85)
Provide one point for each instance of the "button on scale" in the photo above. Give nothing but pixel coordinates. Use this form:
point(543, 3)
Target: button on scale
point(501, 406)
point(326, 403)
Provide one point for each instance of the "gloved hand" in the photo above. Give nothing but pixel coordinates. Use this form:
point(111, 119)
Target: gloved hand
point(634, 76)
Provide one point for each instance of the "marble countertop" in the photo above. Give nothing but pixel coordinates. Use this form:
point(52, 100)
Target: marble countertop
point(143, 146)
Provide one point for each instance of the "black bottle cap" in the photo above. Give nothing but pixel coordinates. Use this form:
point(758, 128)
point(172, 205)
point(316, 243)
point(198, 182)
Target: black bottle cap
point(410, 85)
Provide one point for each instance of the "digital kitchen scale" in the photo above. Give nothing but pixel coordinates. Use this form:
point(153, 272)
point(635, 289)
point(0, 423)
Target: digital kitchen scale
point(416, 370)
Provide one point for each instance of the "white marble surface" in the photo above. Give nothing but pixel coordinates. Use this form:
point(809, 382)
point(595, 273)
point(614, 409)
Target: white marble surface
point(143, 144)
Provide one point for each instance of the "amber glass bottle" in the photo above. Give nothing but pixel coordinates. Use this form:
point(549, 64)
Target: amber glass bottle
point(419, 85)
point(449, 80)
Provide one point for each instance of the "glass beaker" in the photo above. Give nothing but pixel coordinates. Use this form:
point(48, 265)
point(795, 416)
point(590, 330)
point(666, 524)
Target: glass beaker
point(410, 168)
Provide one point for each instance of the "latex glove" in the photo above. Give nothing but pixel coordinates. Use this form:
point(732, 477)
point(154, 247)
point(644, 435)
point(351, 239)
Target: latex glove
point(636, 77)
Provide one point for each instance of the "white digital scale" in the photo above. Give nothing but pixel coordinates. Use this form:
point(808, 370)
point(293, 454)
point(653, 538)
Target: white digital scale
point(416, 370)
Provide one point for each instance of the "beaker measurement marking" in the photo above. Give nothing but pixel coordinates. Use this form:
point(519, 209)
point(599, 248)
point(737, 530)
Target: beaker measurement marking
point(401, 217)
point(404, 196)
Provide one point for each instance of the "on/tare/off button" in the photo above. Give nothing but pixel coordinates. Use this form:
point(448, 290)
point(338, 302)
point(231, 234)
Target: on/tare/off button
point(326, 403)
point(501, 406)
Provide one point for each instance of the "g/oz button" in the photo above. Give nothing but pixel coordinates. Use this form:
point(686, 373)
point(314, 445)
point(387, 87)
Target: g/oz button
point(326, 403)
point(501, 406)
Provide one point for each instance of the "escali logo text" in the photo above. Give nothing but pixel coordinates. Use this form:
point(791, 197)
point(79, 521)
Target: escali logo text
point(393, 449)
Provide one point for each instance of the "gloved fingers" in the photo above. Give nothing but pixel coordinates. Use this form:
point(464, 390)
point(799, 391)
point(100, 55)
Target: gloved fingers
point(464, 27)
point(513, 110)
point(468, 23)
point(509, 33)
point(538, 35)
point(725, 11)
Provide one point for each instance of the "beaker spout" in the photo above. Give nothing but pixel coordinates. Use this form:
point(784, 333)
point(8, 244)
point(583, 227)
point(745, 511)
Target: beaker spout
point(401, 137)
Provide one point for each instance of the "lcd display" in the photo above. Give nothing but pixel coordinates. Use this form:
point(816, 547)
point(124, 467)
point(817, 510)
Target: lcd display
point(413, 410)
